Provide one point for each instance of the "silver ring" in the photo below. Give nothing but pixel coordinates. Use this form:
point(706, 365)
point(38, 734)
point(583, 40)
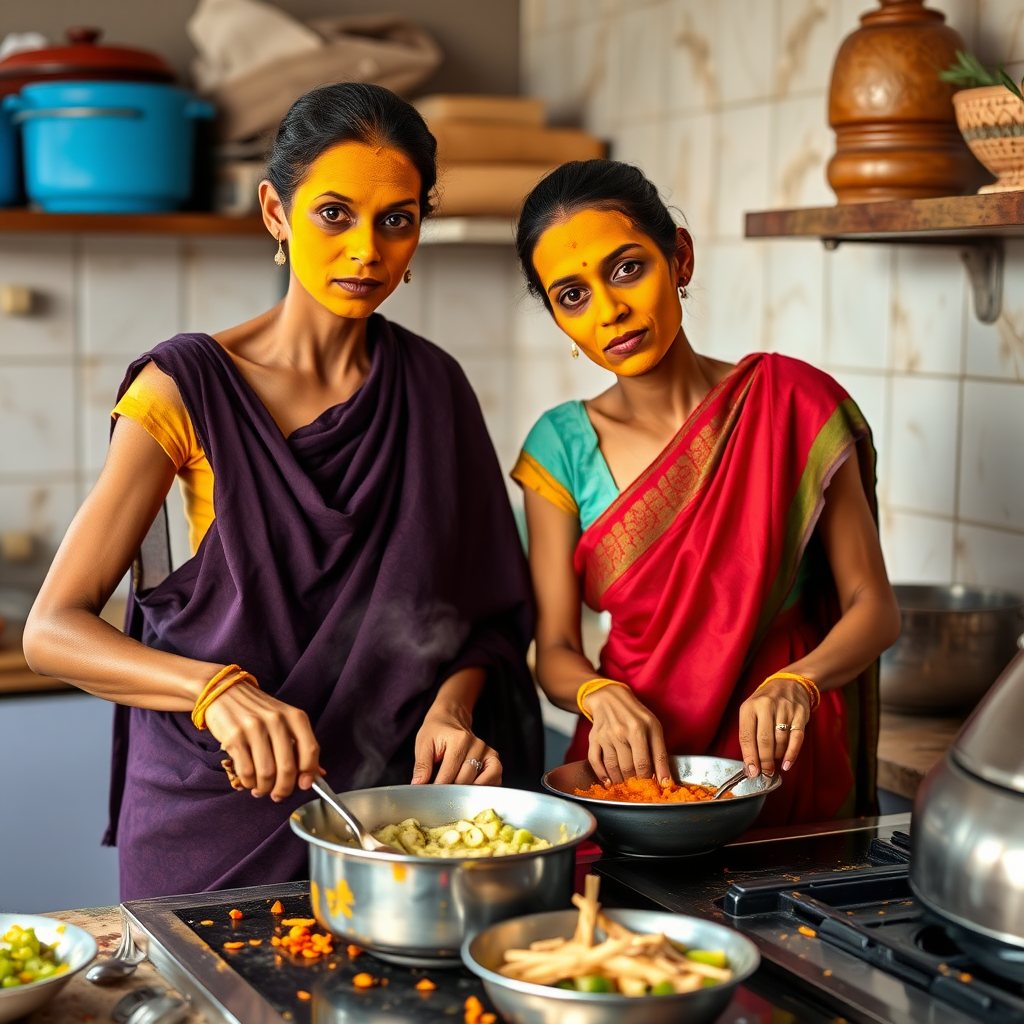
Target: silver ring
point(478, 765)
point(782, 727)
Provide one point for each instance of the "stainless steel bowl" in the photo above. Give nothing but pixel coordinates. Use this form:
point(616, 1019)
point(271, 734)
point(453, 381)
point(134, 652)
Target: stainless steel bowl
point(525, 1003)
point(669, 830)
point(954, 643)
point(75, 947)
point(418, 910)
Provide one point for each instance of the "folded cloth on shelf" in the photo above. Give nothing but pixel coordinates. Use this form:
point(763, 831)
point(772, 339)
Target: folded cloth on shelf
point(380, 49)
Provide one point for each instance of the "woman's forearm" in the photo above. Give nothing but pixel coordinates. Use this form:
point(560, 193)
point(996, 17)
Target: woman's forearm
point(561, 671)
point(76, 645)
point(460, 692)
point(869, 626)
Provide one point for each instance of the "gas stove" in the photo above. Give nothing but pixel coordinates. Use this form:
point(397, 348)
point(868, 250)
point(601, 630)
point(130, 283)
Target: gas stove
point(836, 923)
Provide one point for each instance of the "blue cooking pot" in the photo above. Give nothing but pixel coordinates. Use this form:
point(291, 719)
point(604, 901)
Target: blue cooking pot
point(9, 160)
point(107, 147)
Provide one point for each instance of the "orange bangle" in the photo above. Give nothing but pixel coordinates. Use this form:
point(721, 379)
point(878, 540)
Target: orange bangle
point(221, 682)
point(808, 684)
point(588, 688)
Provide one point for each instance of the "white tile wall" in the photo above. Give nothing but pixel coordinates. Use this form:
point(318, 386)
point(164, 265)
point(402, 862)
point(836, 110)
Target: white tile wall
point(742, 124)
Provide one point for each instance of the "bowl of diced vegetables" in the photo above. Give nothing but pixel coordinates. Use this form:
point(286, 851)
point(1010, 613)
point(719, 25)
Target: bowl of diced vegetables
point(609, 967)
point(460, 858)
point(38, 955)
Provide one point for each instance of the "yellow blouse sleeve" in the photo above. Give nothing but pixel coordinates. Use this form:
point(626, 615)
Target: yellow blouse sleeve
point(152, 400)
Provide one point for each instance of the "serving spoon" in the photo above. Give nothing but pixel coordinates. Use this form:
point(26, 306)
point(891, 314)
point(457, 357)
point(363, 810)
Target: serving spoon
point(733, 780)
point(124, 962)
point(362, 835)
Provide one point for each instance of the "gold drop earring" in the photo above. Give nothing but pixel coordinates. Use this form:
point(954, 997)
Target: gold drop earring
point(279, 257)
point(575, 351)
point(407, 276)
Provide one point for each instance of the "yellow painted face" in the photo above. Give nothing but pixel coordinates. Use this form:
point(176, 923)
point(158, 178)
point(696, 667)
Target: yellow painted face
point(611, 290)
point(355, 224)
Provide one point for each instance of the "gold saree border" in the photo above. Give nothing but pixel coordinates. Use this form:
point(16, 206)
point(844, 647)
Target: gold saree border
point(658, 496)
point(841, 431)
point(528, 472)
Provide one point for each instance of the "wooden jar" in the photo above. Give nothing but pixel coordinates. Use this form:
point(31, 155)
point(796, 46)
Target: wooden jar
point(896, 132)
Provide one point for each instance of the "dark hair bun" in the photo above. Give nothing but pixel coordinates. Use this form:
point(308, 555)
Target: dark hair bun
point(350, 112)
point(591, 185)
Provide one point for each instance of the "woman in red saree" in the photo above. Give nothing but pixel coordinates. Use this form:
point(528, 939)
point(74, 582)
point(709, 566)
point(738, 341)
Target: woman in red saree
point(723, 515)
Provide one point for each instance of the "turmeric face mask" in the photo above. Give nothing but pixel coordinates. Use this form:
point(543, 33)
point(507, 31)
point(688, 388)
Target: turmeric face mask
point(355, 224)
point(611, 290)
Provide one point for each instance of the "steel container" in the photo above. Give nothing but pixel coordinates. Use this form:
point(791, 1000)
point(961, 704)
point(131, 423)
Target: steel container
point(75, 947)
point(954, 643)
point(526, 1003)
point(418, 910)
point(967, 863)
point(669, 830)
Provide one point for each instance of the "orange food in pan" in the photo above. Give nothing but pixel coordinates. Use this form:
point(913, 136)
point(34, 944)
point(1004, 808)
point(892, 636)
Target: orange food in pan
point(650, 791)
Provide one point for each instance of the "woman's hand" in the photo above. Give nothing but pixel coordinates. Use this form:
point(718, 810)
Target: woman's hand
point(446, 736)
point(625, 739)
point(781, 702)
point(271, 743)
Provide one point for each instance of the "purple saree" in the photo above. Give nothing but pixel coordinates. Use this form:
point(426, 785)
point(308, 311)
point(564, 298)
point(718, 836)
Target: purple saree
point(351, 567)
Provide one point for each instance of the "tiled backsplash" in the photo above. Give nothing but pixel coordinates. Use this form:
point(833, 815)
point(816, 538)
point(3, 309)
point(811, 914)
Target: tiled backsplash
point(723, 104)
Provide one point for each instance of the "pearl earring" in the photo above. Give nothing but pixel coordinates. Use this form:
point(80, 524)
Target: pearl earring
point(575, 351)
point(279, 257)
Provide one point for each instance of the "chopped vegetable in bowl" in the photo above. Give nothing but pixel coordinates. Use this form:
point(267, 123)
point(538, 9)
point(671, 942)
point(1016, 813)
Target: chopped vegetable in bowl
point(24, 959)
point(485, 836)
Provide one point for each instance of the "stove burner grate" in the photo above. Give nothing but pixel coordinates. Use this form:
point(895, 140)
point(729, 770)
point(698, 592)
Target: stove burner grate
point(872, 915)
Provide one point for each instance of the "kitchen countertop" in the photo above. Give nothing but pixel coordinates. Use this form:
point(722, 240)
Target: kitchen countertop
point(908, 746)
point(80, 1000)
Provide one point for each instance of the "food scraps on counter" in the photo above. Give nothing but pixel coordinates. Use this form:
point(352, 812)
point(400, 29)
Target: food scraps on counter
point(364, 980)
point(353, 951)
point(425, 985)
point(485, 836)
point(24, 959)
point(625, 963)
point(277, 908)
point(474, 1012)
point(235, 915)
point(650, 791)
point(301, 942)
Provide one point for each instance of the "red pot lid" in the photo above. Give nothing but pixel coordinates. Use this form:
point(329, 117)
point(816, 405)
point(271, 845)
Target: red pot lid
point(83, 58)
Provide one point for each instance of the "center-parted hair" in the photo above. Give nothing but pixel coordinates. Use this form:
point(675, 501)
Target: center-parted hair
point(591, 185)
point(350, 112)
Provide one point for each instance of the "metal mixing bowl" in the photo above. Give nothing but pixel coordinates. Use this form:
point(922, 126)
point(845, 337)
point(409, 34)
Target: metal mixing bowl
point(954, 643)
point(75, 947)
point(525, 1003)
point(669, 830)
point(418, 910)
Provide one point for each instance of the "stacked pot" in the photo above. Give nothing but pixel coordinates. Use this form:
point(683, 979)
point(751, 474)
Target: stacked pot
point(102, 129)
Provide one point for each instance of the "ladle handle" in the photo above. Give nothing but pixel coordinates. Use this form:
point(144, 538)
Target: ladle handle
point(733, 780)
point(321, 786)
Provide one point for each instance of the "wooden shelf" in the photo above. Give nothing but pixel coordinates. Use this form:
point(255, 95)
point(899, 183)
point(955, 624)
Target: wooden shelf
point(437, 231)
point(977, 225)
point(949, 220)
point(32, 221)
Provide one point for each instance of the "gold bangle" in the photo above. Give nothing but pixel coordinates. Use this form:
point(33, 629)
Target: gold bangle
point(590, 687)
point(220, 683)
point(808, 684)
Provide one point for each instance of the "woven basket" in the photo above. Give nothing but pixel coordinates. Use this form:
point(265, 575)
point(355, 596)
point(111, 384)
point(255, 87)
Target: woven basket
point(991, 120)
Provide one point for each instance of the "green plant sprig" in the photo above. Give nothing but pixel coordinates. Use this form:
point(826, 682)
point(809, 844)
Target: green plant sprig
point(969, 73)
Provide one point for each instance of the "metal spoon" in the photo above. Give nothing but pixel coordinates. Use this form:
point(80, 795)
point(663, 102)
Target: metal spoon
point(124, 962)
point(729, 783)
point(362, 836)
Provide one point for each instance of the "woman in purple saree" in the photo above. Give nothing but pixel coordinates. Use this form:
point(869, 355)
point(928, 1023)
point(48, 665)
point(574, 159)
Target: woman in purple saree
point(357, 602)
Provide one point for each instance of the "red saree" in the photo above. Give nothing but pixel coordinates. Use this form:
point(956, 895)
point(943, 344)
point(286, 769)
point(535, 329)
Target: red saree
point(698, 560)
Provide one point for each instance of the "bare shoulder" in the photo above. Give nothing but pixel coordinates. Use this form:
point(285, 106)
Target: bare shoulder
point(715, 370)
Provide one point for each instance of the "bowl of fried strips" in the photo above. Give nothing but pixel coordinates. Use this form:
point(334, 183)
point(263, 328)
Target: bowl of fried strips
point(614, 967)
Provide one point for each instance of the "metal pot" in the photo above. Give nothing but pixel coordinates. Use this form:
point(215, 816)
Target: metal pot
point(418, 910)
point(954, 643)
point(967, 862)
